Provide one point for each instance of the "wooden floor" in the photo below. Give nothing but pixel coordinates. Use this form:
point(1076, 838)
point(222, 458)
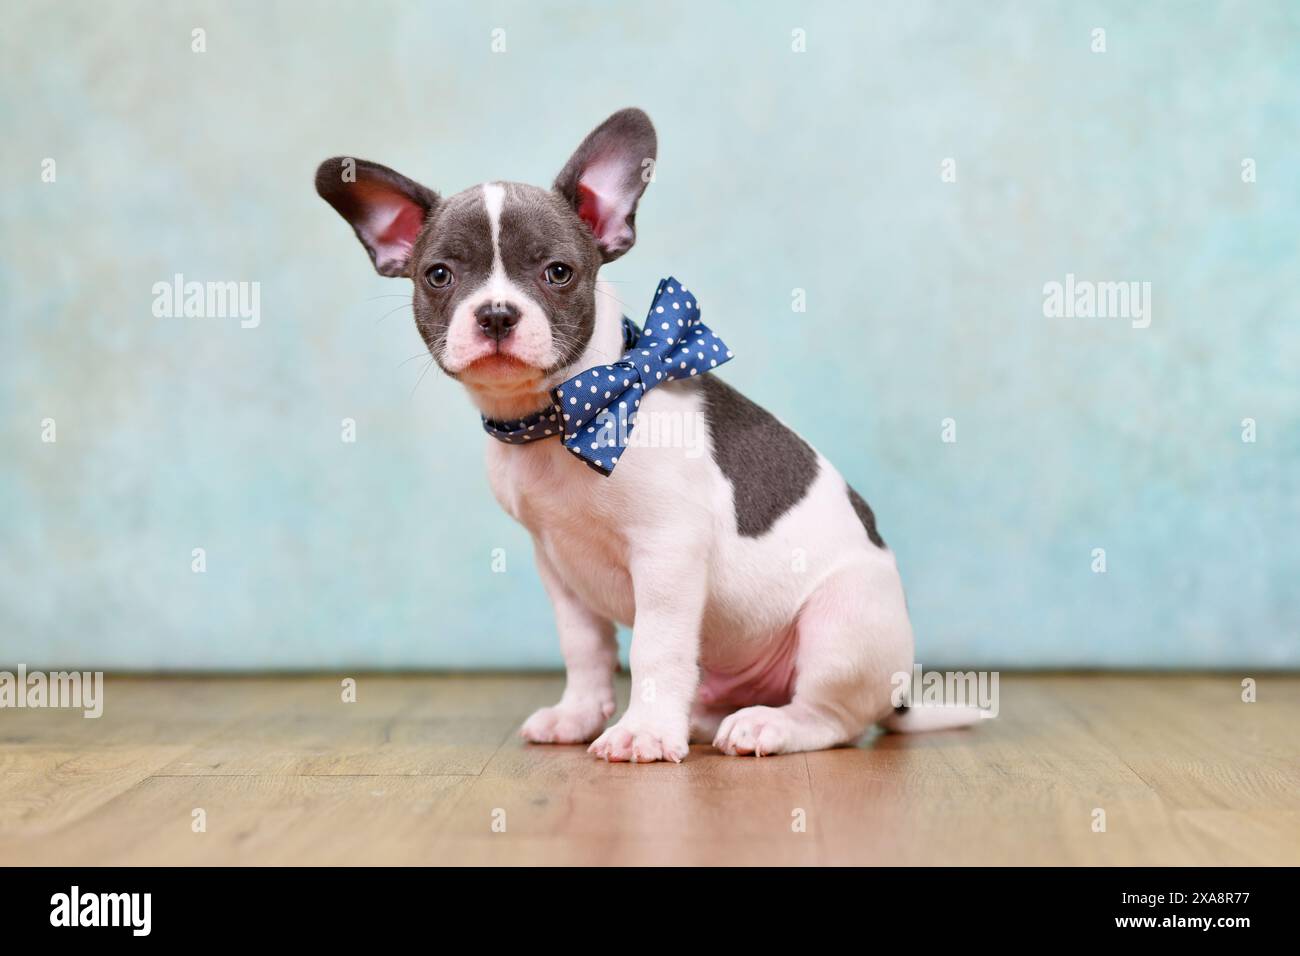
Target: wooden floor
point(419, 769)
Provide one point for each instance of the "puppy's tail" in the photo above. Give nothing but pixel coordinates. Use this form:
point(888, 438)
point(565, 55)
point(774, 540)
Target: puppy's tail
point(914, 720)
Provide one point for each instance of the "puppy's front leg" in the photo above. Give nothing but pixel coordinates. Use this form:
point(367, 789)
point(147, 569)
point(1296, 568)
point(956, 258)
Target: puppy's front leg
point(670, 581)
point(590, 658)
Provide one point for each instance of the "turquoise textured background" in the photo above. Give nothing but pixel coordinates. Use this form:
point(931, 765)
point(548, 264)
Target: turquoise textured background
point(778, 170)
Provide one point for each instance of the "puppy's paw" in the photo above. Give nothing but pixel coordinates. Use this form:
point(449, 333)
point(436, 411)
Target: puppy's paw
point(757, 731)
point(567, 723)
point(637, 742)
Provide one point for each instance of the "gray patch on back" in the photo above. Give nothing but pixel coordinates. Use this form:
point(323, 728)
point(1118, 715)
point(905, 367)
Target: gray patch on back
point(770, 467)
point(867, 517)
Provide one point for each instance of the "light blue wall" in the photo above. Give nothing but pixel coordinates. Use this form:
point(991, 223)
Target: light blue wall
point(778, 170)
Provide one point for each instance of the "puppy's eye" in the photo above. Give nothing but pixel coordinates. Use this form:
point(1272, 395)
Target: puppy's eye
point(557, 273)
point(438, 276)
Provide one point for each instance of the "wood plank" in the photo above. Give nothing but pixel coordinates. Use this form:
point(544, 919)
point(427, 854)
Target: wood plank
point(57, 766)
point(396, 726)
point(255, 820)
point(561, 805)
point(1022, 789)
point(415, 770)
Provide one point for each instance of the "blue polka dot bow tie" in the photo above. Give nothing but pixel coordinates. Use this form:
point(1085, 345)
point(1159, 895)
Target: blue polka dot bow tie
point(595, 412)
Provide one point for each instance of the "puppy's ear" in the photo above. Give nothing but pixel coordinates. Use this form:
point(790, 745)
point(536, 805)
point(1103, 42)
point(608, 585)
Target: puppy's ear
point(386, 209)
point(607, 175)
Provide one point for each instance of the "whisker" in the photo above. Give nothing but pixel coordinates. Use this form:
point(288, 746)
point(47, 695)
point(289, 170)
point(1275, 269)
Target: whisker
point(610, 295)
point(422, 374)
point(566, 342)
point(387, 314)
point(425, 353)
point(600, 353)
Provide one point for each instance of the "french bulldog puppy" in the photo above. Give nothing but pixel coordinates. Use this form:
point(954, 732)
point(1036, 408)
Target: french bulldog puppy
point(767, 613)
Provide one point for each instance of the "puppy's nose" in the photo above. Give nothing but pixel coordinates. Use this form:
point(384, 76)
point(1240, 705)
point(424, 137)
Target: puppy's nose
point(497, 319)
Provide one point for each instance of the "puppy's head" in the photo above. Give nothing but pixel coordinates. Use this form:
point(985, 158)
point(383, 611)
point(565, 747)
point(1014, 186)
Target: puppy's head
point(504, 273)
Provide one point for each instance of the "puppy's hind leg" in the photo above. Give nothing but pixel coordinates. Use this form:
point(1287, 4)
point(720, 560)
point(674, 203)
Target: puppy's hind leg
point(854, 635)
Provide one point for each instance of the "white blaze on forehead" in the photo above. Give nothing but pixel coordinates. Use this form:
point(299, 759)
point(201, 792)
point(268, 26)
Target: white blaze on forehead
point(494, 198)
point(499, 287)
